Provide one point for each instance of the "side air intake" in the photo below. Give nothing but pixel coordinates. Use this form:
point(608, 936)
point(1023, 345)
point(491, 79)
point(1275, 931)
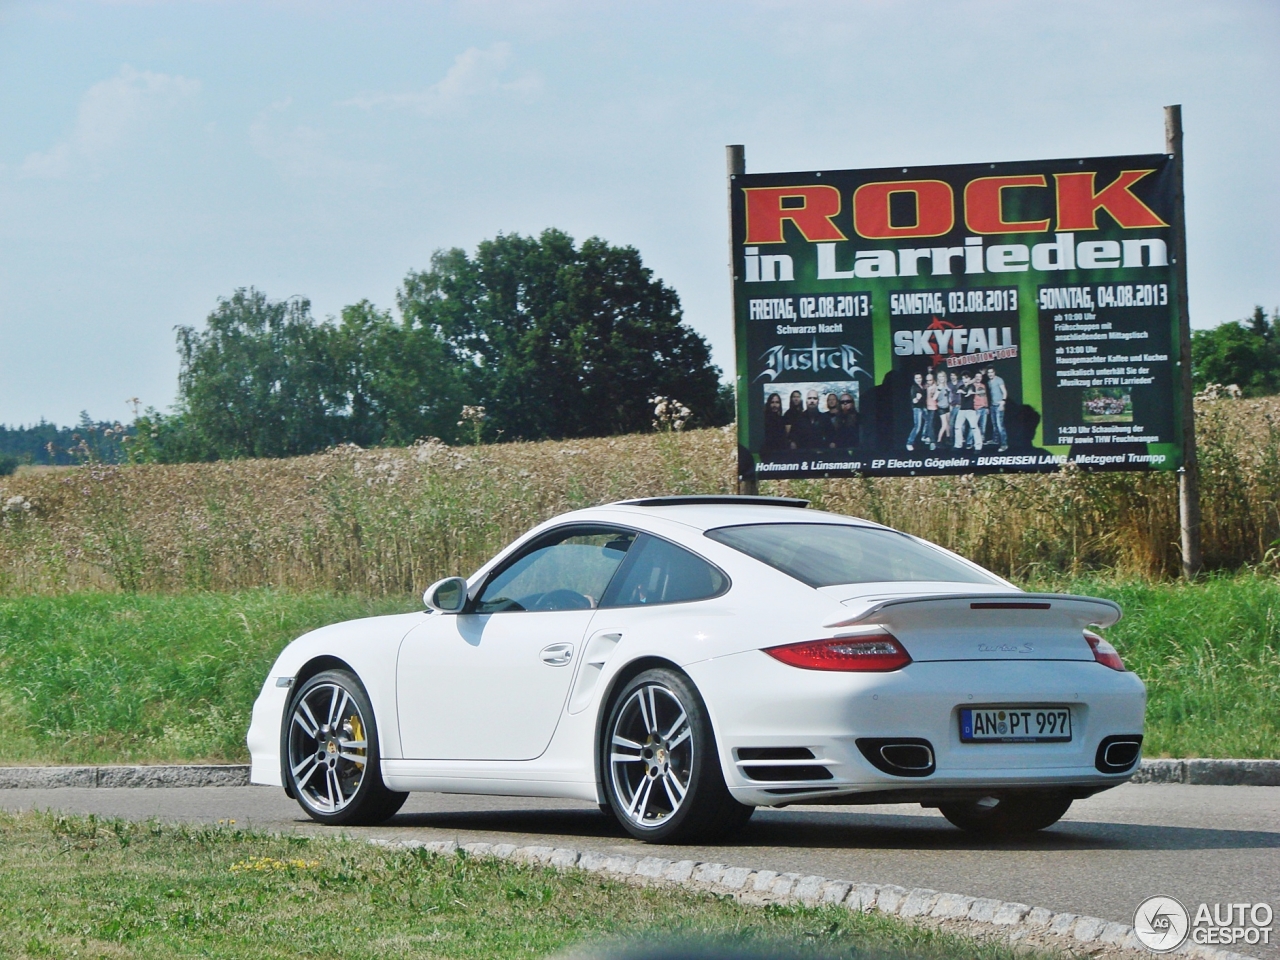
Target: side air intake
point(774, 764)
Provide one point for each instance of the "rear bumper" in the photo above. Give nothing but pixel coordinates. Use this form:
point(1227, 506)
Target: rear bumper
point(758, 703)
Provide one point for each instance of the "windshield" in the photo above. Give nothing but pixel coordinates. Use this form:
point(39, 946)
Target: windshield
point(825, 554)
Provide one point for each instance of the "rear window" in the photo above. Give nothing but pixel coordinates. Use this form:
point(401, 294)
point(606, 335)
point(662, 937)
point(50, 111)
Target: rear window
point(825, 554)
point(656, 571)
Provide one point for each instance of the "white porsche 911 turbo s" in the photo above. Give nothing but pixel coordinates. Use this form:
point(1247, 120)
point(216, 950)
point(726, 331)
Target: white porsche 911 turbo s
point(683, 660)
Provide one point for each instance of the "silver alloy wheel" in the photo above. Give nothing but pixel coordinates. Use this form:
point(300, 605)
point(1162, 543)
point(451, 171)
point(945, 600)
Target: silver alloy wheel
point(651, 755)
point(328, 750)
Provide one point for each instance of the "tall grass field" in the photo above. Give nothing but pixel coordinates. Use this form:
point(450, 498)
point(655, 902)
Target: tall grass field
point(387, 522)
point(140, 678)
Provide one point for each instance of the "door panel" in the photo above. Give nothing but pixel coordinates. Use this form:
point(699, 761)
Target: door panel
point(485, 686)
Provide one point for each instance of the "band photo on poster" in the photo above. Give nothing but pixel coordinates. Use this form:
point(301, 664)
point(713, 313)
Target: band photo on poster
point(811, 416)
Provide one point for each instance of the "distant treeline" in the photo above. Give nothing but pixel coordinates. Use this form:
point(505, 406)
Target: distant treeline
point(47, 443)
point(1241, 352)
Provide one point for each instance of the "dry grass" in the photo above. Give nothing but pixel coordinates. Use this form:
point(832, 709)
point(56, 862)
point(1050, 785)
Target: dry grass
point(386, 522)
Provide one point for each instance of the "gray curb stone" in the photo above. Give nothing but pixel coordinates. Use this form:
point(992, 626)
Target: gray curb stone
point(595, 862)
point(984, 910)
point(710, 873)
point(1161, 771)
point(1010, 913)
point(889, 898)
point(735, 878)
point(808, 890)
point(680, 871)
point(1038, 917)
point(835, 891)
point(622, 865)
point(563, 859)
point(862, 897)
point(918, 903)
point(1220, 773)
point(175, 775)
point(1234, 773)
point(1061, 924)
point(652, 867)
point(1251, 773)
point(783, 884)
point(1012, 921)
point(764, 879)
point(952, 906)
point(1088, 928)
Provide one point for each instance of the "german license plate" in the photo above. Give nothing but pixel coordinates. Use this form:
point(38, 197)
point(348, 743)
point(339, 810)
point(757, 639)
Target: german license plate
point(1015, 725)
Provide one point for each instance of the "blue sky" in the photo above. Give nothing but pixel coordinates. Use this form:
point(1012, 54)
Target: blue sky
point(155, 156)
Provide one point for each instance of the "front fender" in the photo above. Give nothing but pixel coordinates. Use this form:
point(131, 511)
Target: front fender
point(368, 646)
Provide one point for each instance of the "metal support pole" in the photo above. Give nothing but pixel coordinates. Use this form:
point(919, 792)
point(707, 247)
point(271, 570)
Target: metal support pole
point(736, 165)
point(1189, 475)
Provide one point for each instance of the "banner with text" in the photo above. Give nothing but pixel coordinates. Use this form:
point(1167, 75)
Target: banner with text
point(956, 319)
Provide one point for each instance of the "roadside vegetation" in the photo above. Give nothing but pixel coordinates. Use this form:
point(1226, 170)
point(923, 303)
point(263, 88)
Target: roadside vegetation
point(1210, 656)
point(386, 522)
point(83, 887)
point(141, 606)
point(97, 678)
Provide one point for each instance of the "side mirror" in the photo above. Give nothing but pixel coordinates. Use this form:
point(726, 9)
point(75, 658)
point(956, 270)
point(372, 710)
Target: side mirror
point(446, 596)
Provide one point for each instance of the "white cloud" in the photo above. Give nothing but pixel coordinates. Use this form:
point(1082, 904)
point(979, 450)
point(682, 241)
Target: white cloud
point(302, 151)
point(110, 113)
point(474, 73)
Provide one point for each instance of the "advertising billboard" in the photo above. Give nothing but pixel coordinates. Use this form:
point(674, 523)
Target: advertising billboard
point(1004, 317)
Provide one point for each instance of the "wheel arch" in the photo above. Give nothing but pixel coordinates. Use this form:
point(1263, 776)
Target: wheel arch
point(319, 665)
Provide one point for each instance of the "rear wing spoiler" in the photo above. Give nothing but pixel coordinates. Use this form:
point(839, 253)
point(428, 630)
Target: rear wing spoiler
point(1027, 609)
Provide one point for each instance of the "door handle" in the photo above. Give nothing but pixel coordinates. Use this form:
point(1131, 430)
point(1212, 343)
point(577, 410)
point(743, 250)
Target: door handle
point(557, 655)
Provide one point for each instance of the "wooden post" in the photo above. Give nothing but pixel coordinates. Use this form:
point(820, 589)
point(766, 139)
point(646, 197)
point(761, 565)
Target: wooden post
point(736, 164)
point(1189, 474)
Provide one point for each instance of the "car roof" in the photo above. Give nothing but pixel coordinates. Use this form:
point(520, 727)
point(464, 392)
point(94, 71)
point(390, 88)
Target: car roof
point(710, 512)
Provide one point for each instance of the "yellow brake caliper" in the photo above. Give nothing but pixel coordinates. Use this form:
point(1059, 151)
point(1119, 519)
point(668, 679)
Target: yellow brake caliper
point(357, 733)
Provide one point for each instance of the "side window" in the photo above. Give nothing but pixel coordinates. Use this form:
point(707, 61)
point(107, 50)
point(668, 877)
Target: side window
point(569, 571)
point(660, 572)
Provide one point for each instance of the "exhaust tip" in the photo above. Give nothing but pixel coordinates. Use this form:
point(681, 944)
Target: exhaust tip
point(899, 756)
point(1118, 754)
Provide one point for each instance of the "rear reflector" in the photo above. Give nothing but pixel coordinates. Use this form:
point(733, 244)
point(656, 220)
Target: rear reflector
point(864, 654)
point(1103, 652)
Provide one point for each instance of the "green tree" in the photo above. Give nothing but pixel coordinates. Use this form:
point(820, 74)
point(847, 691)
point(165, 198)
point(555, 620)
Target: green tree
point(560, 341)
point(259, 380)
point(399, 380)
point(1244, 352)
point(264, 379)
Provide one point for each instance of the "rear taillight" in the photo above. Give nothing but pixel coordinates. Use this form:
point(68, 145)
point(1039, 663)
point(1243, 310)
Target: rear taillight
point(1103, 652)
point(864, 654)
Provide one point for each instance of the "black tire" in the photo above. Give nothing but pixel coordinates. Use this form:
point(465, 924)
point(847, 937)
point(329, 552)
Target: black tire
point(661, 770)
point(1007, 814)
point(338, 748)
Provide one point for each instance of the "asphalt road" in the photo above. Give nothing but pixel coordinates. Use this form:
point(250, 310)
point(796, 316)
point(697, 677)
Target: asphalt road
point(1199, 844)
